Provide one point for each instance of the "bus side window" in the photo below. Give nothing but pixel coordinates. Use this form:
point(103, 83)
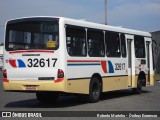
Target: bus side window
point(76, 41)
point(112, 44)
point(139, 46)
point(96, 43)
point(123, 46)
point(69, 45)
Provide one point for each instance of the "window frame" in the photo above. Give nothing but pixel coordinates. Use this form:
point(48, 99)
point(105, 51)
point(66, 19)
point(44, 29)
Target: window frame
point(121, 45)
point(139, 46)
point(103, 38)
point(34, 27)
point(76, 27)
point(106, 43)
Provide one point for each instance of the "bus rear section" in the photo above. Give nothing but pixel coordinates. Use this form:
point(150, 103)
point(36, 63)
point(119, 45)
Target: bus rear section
point(32, 60)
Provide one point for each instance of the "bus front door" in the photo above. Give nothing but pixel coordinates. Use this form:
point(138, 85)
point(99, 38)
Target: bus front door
point(148, 61)
point(129, 47)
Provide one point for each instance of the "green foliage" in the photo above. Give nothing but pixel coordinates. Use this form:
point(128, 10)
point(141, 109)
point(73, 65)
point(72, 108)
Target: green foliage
point(157, 76)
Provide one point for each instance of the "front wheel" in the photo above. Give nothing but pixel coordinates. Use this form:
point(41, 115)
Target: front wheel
point(47, 97)
point(138, 90)
point(94, 90)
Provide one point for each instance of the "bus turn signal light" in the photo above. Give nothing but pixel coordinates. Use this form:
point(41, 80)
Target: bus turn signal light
point(5, 76)
point(60, 73)
point(60, 76)
point(5, 73)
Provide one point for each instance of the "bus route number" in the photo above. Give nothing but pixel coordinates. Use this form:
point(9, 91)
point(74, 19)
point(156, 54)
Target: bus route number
point(50, 62)
point(119, 66)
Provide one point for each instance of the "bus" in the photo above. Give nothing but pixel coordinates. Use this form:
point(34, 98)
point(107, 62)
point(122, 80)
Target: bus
point(55, 55)
point(1, 57)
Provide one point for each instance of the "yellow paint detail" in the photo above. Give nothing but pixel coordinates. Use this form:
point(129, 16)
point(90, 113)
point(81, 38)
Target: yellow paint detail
point(134, 81)
point(20, 85)
point(78, 86)
point(152, 80)
point(75, 86)
point(148, 83)
point(115, 83)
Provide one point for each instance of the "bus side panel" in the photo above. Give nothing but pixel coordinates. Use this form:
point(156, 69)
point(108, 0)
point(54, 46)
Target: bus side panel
point(78, 86)
point(17, 85)
point(79, 73)
point(115, 83)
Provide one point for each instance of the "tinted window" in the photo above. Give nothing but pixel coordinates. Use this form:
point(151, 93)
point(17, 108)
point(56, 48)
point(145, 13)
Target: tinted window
point(32, 35)
point(76, 41)
point(112, 44)
point(95, 43)
point(123, 45)
point(139, 46)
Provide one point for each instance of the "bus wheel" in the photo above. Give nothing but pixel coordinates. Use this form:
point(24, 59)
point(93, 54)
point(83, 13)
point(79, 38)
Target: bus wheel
point(94, 90)
point(47, 97)
point(138, 90)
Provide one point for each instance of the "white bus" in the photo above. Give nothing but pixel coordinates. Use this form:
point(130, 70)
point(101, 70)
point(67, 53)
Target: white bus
point(1, 57)
point(53, 55)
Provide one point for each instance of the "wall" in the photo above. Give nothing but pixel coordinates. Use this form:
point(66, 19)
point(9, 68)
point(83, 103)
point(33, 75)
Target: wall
point(156, 50)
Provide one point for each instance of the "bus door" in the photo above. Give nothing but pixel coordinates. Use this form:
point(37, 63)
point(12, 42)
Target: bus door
point(129, 48)
point(148, 61)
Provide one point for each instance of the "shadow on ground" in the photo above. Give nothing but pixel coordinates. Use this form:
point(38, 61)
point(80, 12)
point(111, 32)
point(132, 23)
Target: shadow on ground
point(69, 100)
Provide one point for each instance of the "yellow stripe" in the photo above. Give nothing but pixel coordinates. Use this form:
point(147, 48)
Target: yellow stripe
point(20, 85)
point(75, 86)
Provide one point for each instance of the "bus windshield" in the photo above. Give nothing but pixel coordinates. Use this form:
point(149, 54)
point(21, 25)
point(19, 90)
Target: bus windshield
point(32, 35)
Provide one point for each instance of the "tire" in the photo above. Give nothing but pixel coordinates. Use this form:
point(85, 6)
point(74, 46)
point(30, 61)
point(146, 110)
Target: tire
point(94, 90)
point(138, 90)
point(47, 97)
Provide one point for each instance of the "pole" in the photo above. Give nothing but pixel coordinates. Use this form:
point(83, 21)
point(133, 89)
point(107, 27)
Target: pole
point(105, 11)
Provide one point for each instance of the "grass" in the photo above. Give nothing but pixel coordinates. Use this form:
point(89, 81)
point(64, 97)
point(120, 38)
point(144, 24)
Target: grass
point(157, 76)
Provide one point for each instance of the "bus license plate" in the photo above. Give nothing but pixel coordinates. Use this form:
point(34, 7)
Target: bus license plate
point(30, 87)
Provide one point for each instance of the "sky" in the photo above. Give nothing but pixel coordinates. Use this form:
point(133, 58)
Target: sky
point(134, 14)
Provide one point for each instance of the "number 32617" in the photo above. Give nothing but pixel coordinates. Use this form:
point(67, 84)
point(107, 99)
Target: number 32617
point(50, 62)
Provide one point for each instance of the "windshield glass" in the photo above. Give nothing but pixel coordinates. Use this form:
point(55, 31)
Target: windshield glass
point(32, 35)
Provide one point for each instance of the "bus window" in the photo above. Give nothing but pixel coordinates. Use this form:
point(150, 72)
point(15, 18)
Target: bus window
point(76, 41)
point(139, 46)
point(112, 44)
point(123, 46)
point(95, 43)
point(32, 35)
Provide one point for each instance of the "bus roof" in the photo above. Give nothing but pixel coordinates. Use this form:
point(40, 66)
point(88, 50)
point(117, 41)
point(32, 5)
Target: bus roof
point(87, 24)
point(105, 27)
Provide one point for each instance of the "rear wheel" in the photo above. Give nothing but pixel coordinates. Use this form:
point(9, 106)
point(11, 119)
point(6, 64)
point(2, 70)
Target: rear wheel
point(94, 90)
point(138, 90)
point(47, 97)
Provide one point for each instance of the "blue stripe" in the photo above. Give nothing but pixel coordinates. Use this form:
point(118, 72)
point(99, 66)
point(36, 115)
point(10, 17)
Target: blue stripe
point(83, 64)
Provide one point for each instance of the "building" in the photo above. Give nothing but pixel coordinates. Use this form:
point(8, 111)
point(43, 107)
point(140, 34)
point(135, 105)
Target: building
point(156, 50)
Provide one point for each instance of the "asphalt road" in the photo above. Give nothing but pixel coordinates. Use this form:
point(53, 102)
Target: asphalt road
point(124, 100)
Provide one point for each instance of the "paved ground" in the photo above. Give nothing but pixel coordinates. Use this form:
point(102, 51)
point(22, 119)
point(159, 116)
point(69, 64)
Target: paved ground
point(125, 100)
